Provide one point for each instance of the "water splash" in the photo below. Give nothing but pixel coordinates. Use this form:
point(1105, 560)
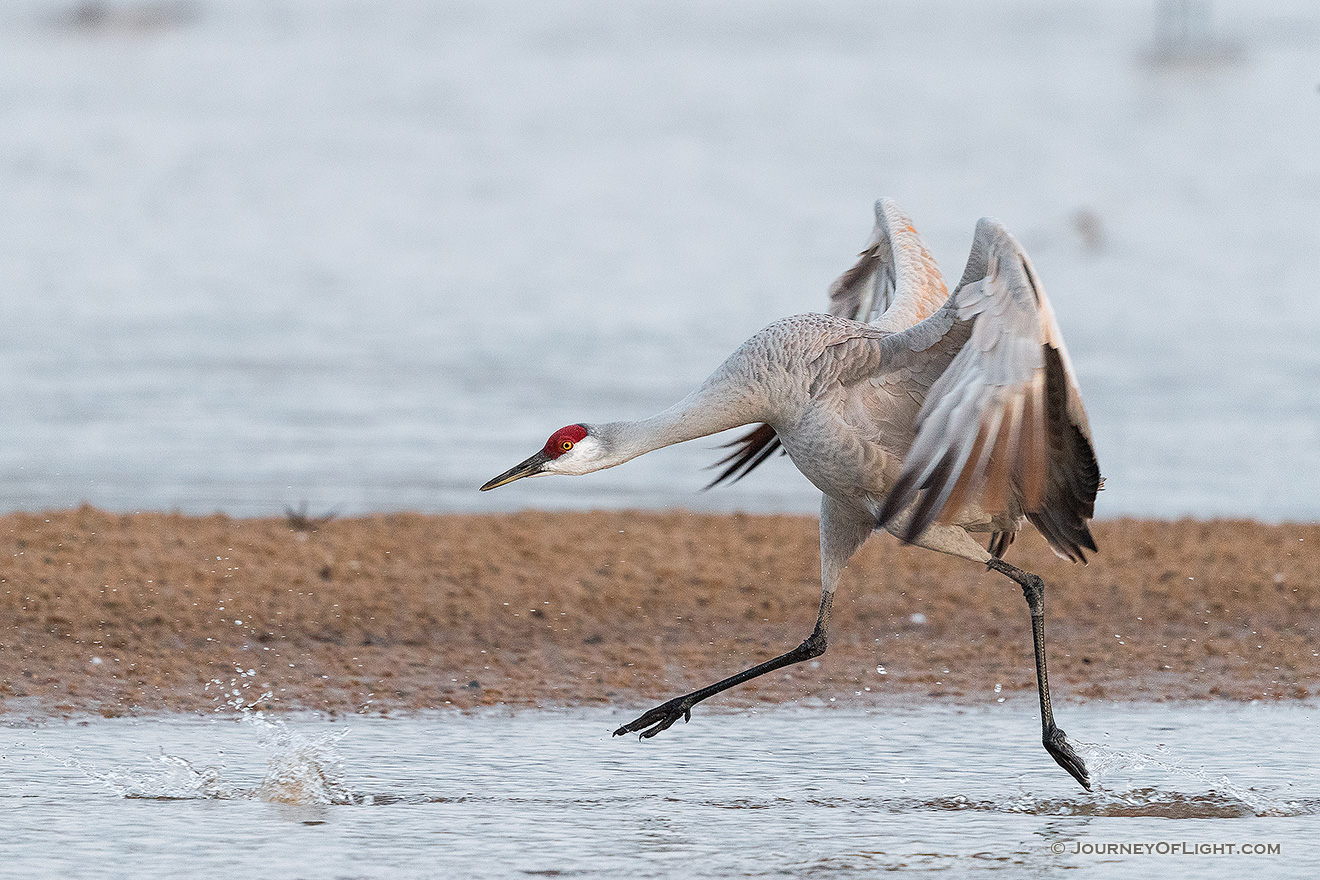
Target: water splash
point(1149, 802)
point(236, 696)
point(1219, 796)
point(302, 769)
point(174, 779)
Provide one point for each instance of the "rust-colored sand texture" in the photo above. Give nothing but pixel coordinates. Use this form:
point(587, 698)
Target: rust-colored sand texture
point(148, 612)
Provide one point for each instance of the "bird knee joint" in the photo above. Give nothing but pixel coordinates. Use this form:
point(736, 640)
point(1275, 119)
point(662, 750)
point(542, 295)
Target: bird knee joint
point(1033, 589)
point(814, 646)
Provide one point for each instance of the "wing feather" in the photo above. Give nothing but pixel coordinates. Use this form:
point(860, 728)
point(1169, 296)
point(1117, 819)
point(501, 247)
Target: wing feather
point(1003, 425)
point(894, 284)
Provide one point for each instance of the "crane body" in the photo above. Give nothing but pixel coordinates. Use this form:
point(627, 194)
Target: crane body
point(934, 417)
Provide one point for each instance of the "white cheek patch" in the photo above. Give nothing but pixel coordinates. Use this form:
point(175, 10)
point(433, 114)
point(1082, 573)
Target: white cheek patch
point(583, 458)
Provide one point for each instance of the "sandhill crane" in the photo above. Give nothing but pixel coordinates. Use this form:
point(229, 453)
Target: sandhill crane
point(932, 416)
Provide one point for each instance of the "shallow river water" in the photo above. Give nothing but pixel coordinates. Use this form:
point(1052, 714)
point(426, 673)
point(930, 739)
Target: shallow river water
point(370, 254)
point(771, 793)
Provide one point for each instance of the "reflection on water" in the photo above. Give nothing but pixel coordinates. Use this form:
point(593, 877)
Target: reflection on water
point(786, 792)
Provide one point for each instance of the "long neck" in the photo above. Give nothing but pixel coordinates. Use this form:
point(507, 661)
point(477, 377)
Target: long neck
point(725, 400)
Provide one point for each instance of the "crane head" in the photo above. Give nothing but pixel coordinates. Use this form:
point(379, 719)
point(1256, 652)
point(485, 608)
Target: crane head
point(570, 450)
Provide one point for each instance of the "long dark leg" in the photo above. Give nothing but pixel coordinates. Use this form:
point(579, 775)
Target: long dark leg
point(662, 717)
point(1033, 588)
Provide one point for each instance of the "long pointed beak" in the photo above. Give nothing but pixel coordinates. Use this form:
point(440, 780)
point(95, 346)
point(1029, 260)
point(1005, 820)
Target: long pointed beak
point(529, 468)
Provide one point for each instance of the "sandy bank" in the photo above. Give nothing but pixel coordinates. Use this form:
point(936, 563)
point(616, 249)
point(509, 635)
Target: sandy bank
point(145, 612)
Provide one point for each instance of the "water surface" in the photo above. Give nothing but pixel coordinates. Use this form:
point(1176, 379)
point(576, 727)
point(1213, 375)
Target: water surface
point(370, 254)
point(777, 793)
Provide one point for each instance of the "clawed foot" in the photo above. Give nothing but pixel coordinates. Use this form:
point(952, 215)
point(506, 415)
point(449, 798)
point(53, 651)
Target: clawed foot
point(660, 718)
point(1062, 751)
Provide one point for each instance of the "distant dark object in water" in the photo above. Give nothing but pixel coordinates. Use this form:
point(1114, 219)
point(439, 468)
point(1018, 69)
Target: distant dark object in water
point(1089, 228)
point(1185, 37)
point(299, 521)
point(100, 16)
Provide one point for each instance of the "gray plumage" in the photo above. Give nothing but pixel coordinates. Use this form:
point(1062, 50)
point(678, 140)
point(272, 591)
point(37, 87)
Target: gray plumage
point(894, 259)
point(930, 415)
point(963, 412)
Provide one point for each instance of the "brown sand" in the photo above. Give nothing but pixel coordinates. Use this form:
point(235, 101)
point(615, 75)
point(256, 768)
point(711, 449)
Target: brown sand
point(405, 611)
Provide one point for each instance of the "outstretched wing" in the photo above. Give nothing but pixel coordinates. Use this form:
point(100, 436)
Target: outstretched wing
point(1003, 425)
point(894, 284)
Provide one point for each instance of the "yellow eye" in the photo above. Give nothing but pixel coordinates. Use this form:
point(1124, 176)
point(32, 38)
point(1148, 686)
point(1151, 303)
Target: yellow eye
point(566, 445)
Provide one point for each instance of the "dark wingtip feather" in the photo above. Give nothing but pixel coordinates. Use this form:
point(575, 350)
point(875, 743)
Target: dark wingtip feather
point(1074, 473)
point(934, 492)
point(896, 500)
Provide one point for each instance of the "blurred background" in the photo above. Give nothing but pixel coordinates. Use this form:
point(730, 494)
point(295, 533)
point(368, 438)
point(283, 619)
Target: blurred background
point(366, 255)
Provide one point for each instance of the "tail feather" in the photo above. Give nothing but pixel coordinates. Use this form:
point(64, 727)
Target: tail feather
point(750, 450)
